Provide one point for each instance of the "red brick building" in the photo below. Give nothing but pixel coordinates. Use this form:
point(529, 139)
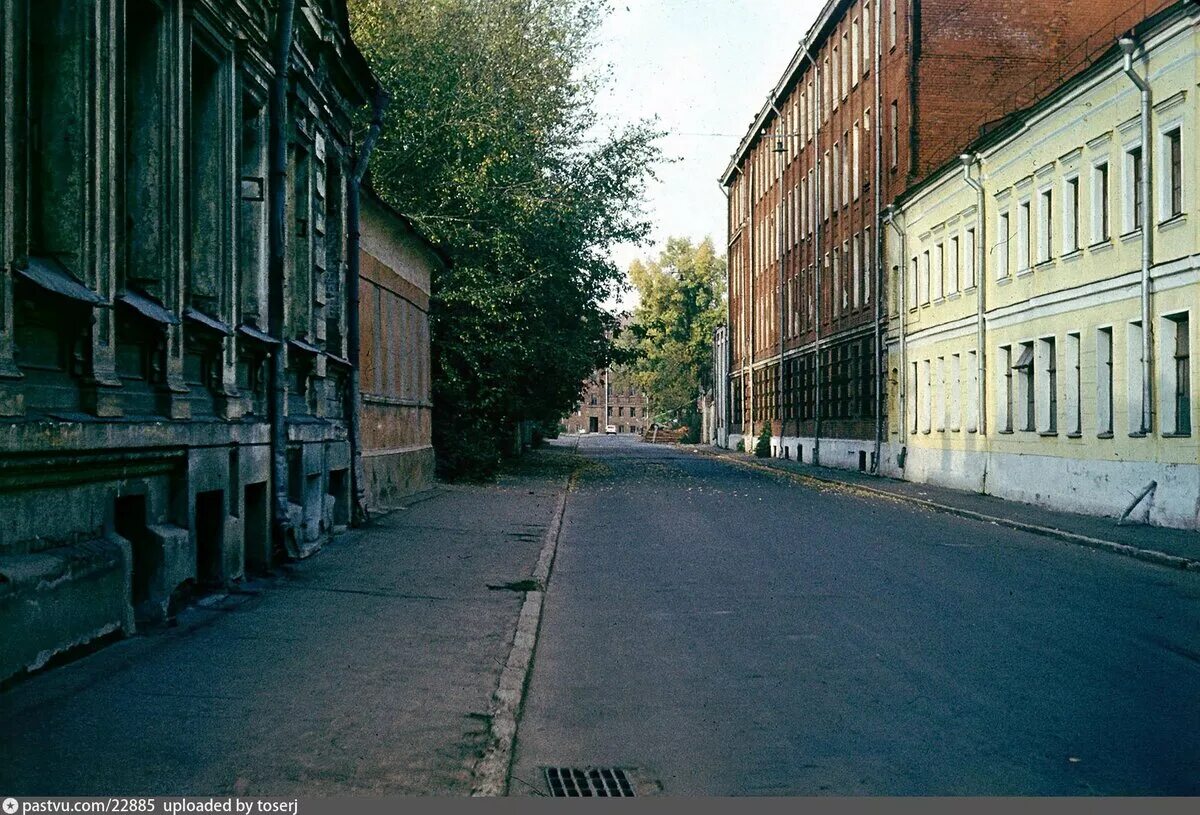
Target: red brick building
point(879, 93)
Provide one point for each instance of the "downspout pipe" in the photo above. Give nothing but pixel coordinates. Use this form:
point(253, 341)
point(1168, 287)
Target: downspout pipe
point(780, 233)
point(877, 248)
point(281, 531)
point(818, 206)
point(353, 406)
point(889, 218)
point(1128, 47)
point(968, 160)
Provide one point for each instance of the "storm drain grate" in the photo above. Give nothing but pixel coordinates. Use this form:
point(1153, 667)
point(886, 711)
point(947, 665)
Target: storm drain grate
point(592, 782)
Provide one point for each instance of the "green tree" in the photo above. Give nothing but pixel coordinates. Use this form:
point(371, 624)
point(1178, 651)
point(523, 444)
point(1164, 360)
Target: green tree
point(682, 300)
point(492, 145)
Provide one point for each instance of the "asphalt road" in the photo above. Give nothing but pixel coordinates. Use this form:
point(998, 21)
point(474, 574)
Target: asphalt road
point(726, 631)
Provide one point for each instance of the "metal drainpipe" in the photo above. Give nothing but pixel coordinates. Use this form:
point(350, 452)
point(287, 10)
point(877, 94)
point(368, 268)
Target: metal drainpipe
point(1128, 46)
point(353, 406)
point(980, 289)
point(889, 218)
point(780, 233)
point(819, 200)
point(281, 526)
point(877, 249)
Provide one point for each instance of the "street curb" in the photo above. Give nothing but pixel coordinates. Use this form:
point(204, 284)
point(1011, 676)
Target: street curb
point(1147, 555)
point(492, 770)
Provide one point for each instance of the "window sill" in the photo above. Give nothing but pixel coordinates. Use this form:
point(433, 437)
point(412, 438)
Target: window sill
point(1187, 435)
point(968, 290)
point(1004, 281)
point(953, 296)
point(1138, 435)
point(1024, 272)
point(1101, 245)
point(1044, 264)
point(1048, 433)
point(1128, 236)
point(1173, 222)
point(1074, 254)
point(1005, 432)
point(1074, 435)
point(1107, 435)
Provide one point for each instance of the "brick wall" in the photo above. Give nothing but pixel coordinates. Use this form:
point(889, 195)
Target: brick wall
point(979, 61)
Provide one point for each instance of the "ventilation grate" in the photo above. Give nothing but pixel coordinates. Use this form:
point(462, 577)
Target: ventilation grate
point(592, 782)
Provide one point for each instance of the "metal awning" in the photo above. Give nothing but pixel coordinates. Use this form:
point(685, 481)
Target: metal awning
point(211, 323)
point(148, 307)
point(49, 274)
point(251, 332)
point(1026, 358)
point(301, 345)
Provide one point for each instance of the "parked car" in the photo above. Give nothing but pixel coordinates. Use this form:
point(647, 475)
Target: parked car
point(610, 429)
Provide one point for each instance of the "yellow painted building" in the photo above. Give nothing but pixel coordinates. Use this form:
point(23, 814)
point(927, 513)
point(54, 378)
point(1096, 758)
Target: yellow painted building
point(1042, 352)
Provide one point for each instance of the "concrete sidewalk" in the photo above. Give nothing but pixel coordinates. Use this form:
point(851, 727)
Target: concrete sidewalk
point(368, 670)
point(1173, 548)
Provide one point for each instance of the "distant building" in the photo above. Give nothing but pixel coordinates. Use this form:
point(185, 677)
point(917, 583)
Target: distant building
point(1044, 304)
point(610, 398)
point(879, 94)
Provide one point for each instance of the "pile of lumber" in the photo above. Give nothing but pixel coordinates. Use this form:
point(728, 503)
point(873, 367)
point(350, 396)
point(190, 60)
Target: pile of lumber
point(662, 435)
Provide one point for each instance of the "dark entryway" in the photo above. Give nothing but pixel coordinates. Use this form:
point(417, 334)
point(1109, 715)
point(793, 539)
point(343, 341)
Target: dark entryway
point(210, 536)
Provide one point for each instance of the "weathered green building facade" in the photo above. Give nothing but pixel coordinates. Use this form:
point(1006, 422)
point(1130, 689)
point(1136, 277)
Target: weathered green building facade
point(149, 441)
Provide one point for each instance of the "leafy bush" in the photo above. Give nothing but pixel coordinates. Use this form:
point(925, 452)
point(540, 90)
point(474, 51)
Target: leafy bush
point(762, 448)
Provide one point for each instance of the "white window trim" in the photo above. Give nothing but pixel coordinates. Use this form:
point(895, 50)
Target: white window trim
point(1024, 236)
point(1045, 226)
point(1128, 216)
point(1070, 207)
point(1003, 239)
point(1097, 203)
point(1163, 176)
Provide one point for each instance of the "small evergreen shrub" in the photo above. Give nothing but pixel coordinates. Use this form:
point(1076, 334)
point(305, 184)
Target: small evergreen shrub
point(762, 448)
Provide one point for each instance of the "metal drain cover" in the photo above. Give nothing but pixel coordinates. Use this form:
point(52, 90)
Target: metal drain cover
point(588, 782)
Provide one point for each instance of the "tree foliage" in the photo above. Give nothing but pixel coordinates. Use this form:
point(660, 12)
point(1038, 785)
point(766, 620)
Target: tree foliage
point(682, 300)
point(492, 145)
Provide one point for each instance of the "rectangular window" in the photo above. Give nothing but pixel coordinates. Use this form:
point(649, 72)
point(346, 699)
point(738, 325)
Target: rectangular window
point(913, 291)
point(1070, 241)
point(923, 283)
point(837, 175)
point(1024, 247)
point(845, 64)
point(1134, 379)
point(1002, 232)
point(855, 53)
point(1025, 396)
point(867, 53)
point(1005, 391)
point(1074, 391)
point(940, 405)
point(968, 260)
point(1173, 188)
point(894, 137)
point(972, 376)
point(1046, 381)
point(1101, 221)
point(848, 161)
point(206, 157)
point(835, 77)
point(954, 406)
point(952, 267)
point(927, 402)
point(1045, 226)
point(938, 273)
point(892, 24)
point(1104, 382)
point(868, 264)
point(913, 399)
point(856, 178)
point(1133, 197)
point(856, 269)
point(1175, 405)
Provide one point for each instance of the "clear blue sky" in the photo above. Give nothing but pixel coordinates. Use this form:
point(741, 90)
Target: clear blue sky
point(704, 67)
